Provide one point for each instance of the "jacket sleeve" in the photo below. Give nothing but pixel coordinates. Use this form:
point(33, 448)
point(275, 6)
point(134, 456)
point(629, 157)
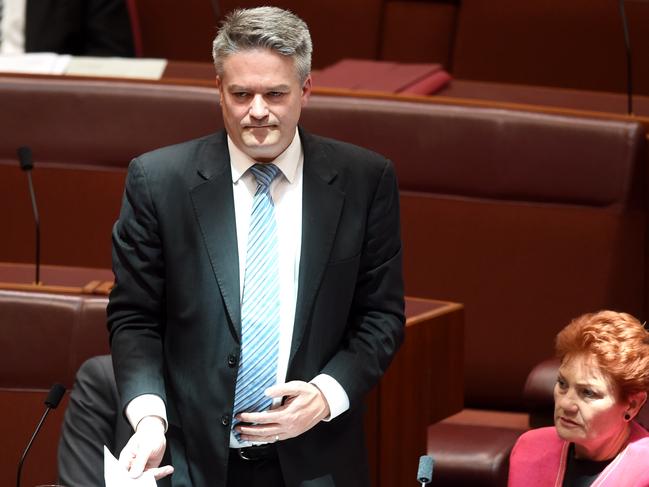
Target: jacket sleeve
point(376, 321)
point(136, 304)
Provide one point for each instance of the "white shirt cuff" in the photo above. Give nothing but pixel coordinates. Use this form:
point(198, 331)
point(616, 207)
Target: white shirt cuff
point(146, 405)
point(334, 394)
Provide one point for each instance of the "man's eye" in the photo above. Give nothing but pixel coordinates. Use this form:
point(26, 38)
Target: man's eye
point(561, 382)
point(275, 94)
point(240, 94)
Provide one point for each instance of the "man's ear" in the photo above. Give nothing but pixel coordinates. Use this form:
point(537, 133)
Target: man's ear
point(219, 88)
point(306, 90)
point(635, 403)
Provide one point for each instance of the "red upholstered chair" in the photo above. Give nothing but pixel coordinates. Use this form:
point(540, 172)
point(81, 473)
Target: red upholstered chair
point(466, 454)
point(44, 339)
point(643, 415)
point(169, 29)
point(473, 446)
point(539, 393)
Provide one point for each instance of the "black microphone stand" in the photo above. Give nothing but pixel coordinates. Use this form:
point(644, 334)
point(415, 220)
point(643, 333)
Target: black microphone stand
point(26, 164)
point(629, 71)
point(51, 402)
point(29, 445)
point(37, 221)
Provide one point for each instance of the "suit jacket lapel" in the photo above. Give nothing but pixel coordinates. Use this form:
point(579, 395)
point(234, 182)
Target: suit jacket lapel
point(214, 208)
point(322, 203)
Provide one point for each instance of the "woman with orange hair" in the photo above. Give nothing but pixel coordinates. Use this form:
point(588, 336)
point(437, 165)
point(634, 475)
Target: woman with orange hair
point(601, 386)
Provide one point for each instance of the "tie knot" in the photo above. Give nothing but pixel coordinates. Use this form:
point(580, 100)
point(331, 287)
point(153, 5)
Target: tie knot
point(264, 174)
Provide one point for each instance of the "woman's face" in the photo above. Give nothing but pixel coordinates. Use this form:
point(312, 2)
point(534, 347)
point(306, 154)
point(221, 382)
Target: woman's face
point(586, 407)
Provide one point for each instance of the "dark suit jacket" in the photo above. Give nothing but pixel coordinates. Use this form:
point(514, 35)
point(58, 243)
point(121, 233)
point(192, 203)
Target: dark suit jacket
point(92, 419)
point(174, 314)
point(79, 27)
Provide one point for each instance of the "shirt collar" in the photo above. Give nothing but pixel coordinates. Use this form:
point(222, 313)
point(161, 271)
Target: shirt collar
point(287, 161)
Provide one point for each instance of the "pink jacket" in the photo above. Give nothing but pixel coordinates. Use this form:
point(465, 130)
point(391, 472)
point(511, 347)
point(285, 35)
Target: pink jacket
point(538, 459)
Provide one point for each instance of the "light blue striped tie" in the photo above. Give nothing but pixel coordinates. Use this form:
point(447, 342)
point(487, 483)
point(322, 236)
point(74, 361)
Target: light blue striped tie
point(260, 303)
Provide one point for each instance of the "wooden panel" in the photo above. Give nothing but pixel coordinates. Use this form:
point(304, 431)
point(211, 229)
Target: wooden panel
point(339, 29)
point(177, 30)
point(576, 44)
point(548, 263)
point(418, 32)
point(423, 385)
point(77, 207)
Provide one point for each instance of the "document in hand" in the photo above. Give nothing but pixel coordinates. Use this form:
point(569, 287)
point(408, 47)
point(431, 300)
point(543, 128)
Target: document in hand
point(116, 475)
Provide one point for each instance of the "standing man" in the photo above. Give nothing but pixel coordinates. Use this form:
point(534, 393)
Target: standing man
point(258, 291)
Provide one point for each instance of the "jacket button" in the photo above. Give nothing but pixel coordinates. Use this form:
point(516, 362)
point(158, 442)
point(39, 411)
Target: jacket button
point(225, 419)
point(232, 360)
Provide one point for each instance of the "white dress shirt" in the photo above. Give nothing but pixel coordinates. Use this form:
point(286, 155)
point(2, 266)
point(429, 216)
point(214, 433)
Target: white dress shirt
point(12, 27)
point(286, 191)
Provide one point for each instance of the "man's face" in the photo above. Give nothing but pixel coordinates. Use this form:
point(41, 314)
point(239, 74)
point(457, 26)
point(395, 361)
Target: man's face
point(586, 409)
point(261, 100)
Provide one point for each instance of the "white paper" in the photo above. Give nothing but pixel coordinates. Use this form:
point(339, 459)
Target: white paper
point(114, 67)
point(117, 476)
point(34, 63)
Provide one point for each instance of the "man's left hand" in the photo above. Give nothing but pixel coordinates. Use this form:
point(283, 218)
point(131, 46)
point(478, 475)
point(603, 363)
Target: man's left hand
point(304, 407)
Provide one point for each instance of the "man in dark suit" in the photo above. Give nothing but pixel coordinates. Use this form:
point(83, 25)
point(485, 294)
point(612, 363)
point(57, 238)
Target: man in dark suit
point(77, 27)
point(92, 420)
point(259, 291)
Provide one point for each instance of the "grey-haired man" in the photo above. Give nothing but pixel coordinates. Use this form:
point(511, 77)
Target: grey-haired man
point(217, 309)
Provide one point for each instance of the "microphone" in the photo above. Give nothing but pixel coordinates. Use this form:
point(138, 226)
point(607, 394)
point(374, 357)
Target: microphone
point(627, 45)
point(51, 402)
point(27, 164)
point(425, 471)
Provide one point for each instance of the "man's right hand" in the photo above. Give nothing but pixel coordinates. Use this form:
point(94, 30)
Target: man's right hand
point(145, 449)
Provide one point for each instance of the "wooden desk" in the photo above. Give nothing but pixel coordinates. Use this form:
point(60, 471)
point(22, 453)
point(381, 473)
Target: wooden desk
point(56, 279)
point(423, 385)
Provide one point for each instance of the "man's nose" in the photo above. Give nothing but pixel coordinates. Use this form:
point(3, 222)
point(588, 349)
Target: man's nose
point(258, 107)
